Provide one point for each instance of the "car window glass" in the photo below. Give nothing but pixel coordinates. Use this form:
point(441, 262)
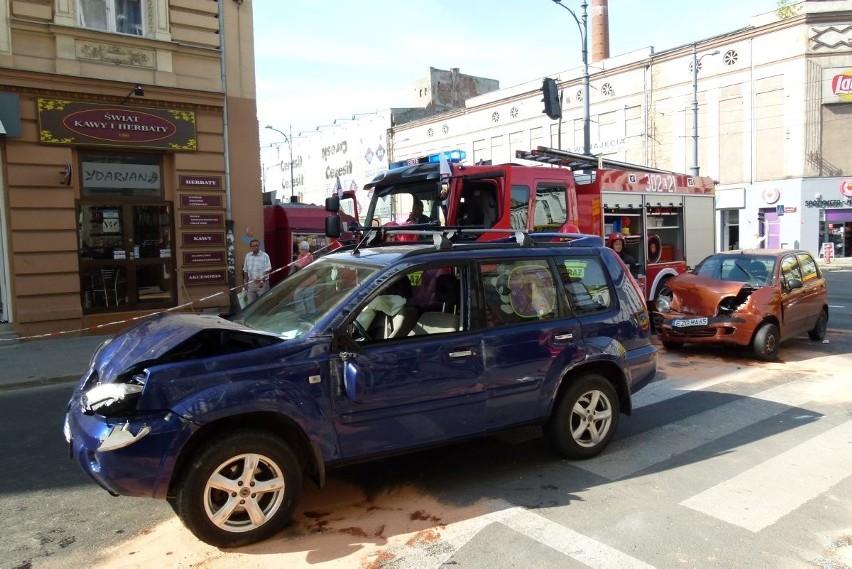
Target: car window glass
point(415, 303)
point(809, 267)
point(586, 284)
point(790, 269)
point(518, 291)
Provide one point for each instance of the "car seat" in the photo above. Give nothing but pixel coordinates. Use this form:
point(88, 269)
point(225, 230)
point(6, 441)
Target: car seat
point(447, 291)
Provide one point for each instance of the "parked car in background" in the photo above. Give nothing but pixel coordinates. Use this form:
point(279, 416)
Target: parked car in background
point(363, 353)
point(756, 298)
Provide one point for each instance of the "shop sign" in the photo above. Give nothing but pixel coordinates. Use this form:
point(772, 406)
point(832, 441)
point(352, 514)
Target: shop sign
point(64, 122)
point(193, 200)
point(846, 188)
point(821, 203)
point(771, 195)
point(191, 239)
point(204, 258)
point(841, 85)
point(214, 276)
point(211, 182)
point(196, 219)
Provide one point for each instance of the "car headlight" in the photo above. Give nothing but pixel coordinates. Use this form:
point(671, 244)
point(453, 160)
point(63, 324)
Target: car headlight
point(111, 399)
point(663, 305)
point(121, 436)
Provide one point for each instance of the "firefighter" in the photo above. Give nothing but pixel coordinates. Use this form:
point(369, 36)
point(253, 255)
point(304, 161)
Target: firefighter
point(615, 241)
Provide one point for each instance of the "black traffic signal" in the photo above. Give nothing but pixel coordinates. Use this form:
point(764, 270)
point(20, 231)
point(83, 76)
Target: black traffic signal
point(552, 104)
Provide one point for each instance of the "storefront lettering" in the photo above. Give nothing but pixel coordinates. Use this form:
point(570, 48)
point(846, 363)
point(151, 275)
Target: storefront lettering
point(331, 173)
point(339, 148)
point(98, 175)
point(828, 203)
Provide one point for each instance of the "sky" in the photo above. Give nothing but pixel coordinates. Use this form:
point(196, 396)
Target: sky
point(317, 61)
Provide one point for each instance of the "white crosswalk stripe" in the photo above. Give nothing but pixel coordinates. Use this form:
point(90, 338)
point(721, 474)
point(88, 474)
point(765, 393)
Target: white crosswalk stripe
point(761, 495)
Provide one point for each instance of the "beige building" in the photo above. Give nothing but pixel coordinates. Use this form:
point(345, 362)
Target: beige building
point(130, 179)
point(774, 110)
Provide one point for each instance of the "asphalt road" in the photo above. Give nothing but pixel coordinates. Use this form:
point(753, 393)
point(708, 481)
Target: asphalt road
point(727, 462)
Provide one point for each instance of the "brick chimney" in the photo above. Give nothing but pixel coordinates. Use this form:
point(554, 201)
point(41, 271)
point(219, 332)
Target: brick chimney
point(600, 30)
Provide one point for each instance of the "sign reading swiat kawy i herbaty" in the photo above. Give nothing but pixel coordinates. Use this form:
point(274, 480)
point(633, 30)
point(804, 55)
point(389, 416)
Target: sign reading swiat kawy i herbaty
point(69, 123)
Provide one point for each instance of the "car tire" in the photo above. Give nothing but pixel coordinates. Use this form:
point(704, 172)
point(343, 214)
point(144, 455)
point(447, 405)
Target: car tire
point(224, 474)
point(766, 342)
point(817, 334)
point(585, 417)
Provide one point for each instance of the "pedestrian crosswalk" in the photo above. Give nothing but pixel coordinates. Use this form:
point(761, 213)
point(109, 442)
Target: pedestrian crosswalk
point(755, 445)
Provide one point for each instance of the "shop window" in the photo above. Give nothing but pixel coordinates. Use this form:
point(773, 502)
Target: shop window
point(120, 16)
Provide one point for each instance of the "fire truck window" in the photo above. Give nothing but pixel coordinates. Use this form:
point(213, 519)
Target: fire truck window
point(520, 206)
point(478, 207)
point(550, 210)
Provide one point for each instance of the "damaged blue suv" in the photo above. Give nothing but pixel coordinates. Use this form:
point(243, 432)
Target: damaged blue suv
point(365, 352)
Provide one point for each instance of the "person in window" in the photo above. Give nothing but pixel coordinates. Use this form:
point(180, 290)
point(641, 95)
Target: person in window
point(256, 269)
point(615, 241)
point(416, 215)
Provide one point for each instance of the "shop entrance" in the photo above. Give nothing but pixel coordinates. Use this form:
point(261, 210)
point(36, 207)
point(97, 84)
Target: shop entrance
point(126, 259)
point(836, 228)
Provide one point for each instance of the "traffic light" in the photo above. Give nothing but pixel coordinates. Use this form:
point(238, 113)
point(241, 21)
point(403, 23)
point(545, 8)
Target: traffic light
point(552, 104)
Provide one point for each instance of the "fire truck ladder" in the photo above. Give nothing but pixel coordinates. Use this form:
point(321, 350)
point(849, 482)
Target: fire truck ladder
point(576, 161)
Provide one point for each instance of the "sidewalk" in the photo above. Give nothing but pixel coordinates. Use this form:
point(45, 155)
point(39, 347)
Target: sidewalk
point(34, 363)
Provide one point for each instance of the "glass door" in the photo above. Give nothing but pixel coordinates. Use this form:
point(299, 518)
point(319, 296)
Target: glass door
point(126, 256)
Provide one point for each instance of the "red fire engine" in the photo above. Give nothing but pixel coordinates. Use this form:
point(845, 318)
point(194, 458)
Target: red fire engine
point(286, 225)
point(666, 219)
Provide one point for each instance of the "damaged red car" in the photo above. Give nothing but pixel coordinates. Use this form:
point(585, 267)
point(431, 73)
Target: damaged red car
point(755, 298)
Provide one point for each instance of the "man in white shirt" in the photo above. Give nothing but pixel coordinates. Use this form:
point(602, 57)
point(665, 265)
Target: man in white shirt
point(256, 269)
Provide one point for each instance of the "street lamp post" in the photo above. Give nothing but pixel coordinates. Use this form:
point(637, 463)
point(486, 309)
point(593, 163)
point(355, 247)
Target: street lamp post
point(289, 141)
point(696, 61)
point(583, 25)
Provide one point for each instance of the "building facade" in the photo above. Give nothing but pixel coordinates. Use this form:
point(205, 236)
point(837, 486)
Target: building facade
point(774, 112)
point(130, 178)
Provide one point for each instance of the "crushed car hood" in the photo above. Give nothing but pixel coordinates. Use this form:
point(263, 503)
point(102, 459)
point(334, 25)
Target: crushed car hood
point(155, 337)
point(701, 295)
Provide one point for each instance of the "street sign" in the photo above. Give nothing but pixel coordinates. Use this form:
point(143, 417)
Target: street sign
point(779, 209)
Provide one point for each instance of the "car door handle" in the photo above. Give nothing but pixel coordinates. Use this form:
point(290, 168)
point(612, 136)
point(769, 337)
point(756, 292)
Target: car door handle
point(461, 354)
point(568, 336)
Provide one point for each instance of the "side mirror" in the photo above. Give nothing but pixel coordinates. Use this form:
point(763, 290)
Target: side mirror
point(332, 204)
point(793, 284)
point(332, 226)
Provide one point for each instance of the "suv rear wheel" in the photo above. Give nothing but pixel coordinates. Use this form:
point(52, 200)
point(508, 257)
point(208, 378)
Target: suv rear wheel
point(585, 417)
point(240, 489)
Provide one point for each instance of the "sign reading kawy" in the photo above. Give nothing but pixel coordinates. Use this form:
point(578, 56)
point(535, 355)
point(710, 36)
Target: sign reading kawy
point(70, 123)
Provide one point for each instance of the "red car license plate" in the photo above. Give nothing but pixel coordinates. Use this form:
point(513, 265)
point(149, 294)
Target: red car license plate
point(689, 322)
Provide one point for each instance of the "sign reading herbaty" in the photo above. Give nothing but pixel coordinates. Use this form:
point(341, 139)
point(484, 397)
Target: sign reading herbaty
point(69, 123)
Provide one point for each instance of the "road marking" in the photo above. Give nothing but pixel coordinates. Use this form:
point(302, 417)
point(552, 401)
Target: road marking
point(761, 495)
point(575, 545)
point(625, 457)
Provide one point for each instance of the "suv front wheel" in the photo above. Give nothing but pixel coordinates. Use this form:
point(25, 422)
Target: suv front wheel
point(585, 417)
point(241, 489)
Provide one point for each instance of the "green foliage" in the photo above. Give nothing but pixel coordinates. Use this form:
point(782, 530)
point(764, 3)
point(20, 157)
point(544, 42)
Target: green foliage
point(786, 9)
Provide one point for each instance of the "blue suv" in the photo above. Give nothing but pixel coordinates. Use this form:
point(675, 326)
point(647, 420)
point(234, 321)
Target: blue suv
point(365, 352)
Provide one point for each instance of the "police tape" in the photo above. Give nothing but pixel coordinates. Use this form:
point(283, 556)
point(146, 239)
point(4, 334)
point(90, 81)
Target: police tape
point(83, 331)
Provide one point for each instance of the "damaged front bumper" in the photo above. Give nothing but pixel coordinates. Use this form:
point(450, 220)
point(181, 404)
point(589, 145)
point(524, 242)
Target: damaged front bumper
point(129, 456)
point(684, 328)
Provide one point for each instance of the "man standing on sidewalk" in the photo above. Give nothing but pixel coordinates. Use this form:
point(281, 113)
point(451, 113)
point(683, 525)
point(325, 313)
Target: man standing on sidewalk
point(256, 269)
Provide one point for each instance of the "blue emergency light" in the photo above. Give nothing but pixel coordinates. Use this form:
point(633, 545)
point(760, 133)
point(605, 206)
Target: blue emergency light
point(453, 156)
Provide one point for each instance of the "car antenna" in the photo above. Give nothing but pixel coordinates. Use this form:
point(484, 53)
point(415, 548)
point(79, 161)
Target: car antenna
point(363, 240)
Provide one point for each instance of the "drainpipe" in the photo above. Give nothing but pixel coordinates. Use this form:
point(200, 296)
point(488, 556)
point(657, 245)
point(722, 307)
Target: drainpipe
point(230, 250)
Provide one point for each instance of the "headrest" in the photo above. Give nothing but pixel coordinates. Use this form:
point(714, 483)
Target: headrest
point(447, 289)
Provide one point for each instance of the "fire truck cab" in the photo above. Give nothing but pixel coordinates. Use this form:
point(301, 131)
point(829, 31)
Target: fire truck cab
point(666, 218)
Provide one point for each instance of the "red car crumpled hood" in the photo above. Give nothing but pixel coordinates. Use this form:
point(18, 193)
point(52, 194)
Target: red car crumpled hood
point(700, 295)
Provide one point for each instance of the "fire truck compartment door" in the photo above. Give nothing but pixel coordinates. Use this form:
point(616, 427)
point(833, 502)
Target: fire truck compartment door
point(699, 228)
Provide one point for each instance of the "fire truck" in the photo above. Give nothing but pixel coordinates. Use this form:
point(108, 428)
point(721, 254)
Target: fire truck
point(286, 225)
point(665, 218)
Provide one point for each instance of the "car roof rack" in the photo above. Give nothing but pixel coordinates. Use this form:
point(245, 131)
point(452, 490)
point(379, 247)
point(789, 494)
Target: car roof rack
point(445, 238)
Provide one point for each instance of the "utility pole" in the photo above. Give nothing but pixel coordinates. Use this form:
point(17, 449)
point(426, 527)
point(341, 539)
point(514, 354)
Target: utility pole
point(696, 61)
point(583, 25)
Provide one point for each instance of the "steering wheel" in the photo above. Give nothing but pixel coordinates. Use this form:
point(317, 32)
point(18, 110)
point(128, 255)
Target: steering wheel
point(361, 331)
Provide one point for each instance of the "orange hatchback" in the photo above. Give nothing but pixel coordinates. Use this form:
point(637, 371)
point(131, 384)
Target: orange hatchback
point(756, 298)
